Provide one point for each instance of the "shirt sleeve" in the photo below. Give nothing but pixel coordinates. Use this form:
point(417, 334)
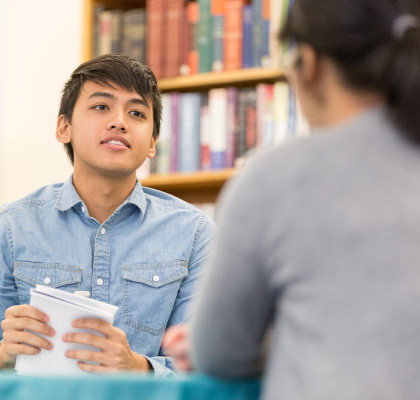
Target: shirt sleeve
point(201, 247)
point(234, 308)
point(8, 289)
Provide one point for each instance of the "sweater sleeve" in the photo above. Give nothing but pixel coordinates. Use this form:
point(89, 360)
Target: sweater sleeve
point(234, 307)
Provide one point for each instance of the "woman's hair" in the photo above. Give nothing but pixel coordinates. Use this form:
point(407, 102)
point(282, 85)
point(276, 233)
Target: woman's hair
point(375, 45)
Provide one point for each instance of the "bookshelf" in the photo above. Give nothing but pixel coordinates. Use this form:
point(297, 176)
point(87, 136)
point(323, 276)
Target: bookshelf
point(201, 186)
point(198, 187)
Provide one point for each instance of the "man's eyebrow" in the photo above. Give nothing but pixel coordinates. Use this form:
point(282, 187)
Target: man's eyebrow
point(112, 97)
point(102, 94)
point(140, 101)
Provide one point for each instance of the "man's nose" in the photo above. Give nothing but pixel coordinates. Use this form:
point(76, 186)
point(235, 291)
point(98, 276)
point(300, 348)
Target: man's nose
point(118, 122)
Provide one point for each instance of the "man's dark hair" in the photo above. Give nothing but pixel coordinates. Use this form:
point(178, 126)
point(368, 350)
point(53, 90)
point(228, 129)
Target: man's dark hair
point(107, 70)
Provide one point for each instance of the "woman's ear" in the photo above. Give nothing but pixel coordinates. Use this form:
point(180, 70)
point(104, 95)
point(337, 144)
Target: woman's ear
point(63, 133)
point(307, 66)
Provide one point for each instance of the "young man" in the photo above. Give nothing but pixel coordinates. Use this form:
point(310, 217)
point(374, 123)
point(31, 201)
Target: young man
point(101, 231)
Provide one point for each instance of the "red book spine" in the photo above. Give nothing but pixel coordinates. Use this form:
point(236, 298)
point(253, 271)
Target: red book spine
point(193, 18)
point(233, 34)
point(156, 37)
point(174, 17)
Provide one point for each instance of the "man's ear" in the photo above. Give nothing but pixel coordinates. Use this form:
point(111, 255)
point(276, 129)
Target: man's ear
point(152, 149)
point(63, 133)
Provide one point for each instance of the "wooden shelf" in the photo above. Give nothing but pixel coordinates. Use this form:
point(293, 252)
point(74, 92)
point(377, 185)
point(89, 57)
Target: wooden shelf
point(203, 186)
point(242, 77)
point(197, 187)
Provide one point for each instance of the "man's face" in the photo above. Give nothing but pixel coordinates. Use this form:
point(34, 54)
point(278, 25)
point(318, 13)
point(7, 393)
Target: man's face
point(111, 130)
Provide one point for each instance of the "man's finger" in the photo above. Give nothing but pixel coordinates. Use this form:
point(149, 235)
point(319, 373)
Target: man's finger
point(94, 324)
point(86, 338)
point(19, 324)
point(25, 310)
point(13, 338)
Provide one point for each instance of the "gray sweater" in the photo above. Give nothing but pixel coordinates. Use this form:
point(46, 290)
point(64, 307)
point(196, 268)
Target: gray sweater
point(319, 239)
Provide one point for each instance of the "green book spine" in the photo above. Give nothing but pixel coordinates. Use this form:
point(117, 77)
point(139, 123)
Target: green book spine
point(205, 48)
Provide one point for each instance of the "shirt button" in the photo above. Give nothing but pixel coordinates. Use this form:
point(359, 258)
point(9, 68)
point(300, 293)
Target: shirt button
point(103, 230)
point(83, 209)
point(47, 280)
point(100, 282)
point(156, 278)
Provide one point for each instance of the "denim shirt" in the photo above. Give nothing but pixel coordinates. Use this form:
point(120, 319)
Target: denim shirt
point(145, 258)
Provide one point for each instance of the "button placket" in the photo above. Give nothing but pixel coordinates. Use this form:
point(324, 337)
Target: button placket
point(101, 262)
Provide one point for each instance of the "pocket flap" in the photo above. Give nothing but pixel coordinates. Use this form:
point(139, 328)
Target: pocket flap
point(156, 275)
point(53, 275)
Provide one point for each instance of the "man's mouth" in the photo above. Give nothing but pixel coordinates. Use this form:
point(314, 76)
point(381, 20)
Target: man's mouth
point(116, 143)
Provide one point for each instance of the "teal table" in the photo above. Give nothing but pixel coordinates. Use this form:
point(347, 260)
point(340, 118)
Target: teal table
point(125, 387)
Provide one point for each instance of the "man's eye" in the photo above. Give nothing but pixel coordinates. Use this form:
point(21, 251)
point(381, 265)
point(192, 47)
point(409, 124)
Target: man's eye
point(101, 107)
point(137, 114)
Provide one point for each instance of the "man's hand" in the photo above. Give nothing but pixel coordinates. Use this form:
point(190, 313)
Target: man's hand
point(115, 353)
point(16, 340)
point(176, 343)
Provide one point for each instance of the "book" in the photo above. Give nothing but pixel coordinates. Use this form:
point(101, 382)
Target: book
point(231, 126)
point(260, 89)
point(134, 34)
point(251, 119)
point(189, 132)
point(184, 68)
point(285, 46)
point(247, 53)
point(233, 34)
point(240, 138)
point(156, 55)
point(218, 33)
point(96, 31)
point(105, 32)
point(205, 159)
point(268, 126)
point(265, 37)
point(116, 31)
point(193, 12)
point(163, 144)
point(205, 45)
point(276, 23)
point(218, 127)
point(174, 131)
point(281, 113)
point(174, 19)
point(62, 308)
point(292, 117)
point(257, 32)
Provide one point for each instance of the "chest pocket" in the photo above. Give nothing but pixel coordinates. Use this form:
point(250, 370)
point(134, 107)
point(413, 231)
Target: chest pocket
point(29, 274)
point(150, 291)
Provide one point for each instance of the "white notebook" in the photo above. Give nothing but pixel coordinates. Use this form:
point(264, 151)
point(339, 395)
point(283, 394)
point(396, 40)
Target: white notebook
point(62, 308)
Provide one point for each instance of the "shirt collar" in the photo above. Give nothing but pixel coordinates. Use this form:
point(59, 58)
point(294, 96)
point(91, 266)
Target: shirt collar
point(68, 197)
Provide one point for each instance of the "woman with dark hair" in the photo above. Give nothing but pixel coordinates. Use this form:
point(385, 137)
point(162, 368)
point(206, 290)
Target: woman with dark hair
point(319, 239)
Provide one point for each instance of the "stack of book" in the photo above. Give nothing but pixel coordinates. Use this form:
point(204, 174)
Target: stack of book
point(219, 128)
point(175, 37)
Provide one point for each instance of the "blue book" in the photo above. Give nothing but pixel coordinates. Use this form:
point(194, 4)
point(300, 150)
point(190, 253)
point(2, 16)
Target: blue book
point(247, 55)
point(218, 39)
point(292, 113)
point(257, 33)
point(189, 132)
point(265, 42)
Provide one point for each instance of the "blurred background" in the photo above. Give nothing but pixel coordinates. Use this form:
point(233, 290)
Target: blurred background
point(40, 45)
